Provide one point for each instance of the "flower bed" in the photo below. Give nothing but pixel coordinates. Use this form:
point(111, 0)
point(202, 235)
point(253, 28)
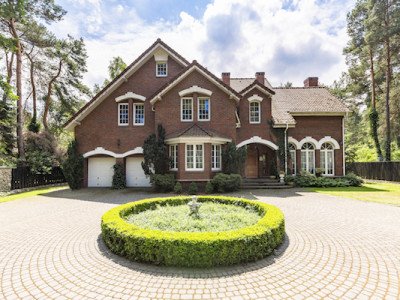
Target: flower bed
point(193, 249)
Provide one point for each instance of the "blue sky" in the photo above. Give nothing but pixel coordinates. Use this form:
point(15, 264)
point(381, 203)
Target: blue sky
point(288, 39)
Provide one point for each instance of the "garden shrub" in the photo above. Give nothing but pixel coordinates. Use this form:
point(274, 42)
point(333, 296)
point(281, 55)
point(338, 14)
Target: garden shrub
point(310, 180)
point(193, 249)
point(226, 183)
point(353, 179)
point(163, 182)
point(73, 167)
point(209, 188)
point(193, 189)
point(178, 188)
point(118, 180)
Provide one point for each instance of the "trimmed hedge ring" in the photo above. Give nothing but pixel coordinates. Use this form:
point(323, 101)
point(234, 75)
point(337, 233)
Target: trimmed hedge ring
point(193, 249)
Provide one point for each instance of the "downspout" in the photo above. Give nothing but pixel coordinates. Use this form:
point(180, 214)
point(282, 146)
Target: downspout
point(287, 127)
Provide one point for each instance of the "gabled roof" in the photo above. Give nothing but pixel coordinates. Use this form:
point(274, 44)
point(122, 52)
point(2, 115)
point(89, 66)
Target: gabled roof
point(189, 69)
point(259, 86)
point(239, 84)
point(195, 131)
point(109, 88)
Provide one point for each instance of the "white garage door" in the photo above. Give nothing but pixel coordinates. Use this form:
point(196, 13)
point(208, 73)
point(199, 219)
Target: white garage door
point(135, 176)
point(100, 171)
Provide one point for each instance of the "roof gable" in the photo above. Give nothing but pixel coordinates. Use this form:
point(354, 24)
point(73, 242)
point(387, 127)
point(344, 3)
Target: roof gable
point(121, 78)
point(258, 86)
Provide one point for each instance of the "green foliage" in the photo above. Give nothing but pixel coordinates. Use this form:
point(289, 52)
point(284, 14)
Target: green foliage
point(34, 126)
point(41, 151)
point(73, 166)
point(193, 249)
point(309, 180)
point(163, 182)
point(118, 180)
point(156, 159)
point(212, 217)
point(226, 183)
point(233, 159)
point(209, 189)
point(178, 188)
point(193, 189)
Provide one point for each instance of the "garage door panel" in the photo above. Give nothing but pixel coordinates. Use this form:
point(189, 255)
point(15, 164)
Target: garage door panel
point(135, 176)
point(100, 171)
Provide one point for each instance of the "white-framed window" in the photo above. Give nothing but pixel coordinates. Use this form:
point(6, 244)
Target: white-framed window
point(123, 114)
point(308, 158)
point(187, 109)
point(161, 69)
point(292, 152)
point(327, 155)
point(173, 154)
point(138, 114)
point(194, 157)
point(216, 157)
point(254, 112)
point(203, 107)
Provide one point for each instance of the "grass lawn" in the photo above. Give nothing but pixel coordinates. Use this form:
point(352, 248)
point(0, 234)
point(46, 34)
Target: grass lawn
point(387, 193)
point(40, 191)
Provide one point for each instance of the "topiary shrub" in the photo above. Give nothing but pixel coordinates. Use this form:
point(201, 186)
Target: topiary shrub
point(73, 167)
point(118, 180)
point(178, 188)
point(193, 189)
point(226, 183)
point(163, 182)
point(193, 249)
point(209, 188)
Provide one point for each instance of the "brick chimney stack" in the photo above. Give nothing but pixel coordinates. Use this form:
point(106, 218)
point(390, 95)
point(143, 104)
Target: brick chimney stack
point(226, 78)
point(311, 81)
point(260, 76)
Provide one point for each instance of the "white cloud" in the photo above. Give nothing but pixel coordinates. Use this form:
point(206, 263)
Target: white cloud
point(239, 36)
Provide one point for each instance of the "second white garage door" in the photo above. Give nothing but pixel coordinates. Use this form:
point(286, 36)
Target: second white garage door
point(100, 171)
point(135, 176)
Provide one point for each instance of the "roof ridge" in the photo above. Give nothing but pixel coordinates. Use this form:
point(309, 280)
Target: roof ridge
point(298, 87)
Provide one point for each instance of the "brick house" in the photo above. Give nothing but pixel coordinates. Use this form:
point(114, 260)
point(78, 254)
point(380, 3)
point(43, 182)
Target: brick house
point(201, 113)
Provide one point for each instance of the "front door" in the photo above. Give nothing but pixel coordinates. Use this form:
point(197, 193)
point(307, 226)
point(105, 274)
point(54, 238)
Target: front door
point(251, 168)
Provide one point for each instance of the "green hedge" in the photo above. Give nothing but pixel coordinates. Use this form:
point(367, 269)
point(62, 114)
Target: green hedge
point(226, 182)
point(193, 249)
point(309, 180)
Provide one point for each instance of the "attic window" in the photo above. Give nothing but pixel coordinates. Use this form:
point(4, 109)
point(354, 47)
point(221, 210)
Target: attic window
point(161, 69)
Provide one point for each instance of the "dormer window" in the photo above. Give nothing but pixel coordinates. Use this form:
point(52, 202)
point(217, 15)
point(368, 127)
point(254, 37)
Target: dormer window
point(161, 69)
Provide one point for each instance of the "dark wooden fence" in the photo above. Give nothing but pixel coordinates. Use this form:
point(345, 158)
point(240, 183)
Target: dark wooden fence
point(389, 171)
point(22, 178)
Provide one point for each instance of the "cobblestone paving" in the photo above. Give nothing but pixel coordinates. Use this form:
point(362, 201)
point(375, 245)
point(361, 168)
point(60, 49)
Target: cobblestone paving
point(335, 249)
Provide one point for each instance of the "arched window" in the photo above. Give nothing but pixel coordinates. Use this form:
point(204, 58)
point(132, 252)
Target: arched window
point(292, 152)
point(327, 159)
point(308, 158)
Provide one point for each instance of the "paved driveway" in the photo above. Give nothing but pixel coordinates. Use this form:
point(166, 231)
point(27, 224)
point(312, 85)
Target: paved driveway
point(335, 249)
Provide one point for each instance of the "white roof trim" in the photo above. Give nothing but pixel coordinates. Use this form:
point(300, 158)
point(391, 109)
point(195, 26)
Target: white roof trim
point(255, 98)
point(295, 142)
point(309, 139)
point(118, 82)
point(130, 95)
point(265, 91)
point(194, 140)
point(258, 140)
point(328, 139)
point(102, 151)
point(195, 89)
point(190, 70)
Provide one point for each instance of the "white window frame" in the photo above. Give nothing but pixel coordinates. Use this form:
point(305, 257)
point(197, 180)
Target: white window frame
point(134, 114)
point(119, 114)
point(191, 100)
point(324, 164)
point(166, 68)
point(293, 154)
point(259, 112)
point(214, 157)
point(194, 157)
point(307, 152)
point(173, 154)
point(198, 109)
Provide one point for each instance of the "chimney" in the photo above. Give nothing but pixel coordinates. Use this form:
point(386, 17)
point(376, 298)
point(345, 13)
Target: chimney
point(311, 81)
point(226, 78)
point(260, 76)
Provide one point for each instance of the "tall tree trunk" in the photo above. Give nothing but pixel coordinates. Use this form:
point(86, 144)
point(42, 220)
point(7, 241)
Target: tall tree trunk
point(374, 113)
point(18, 73)
point(388, 151)
point(32, 75)
point(48, 96)
point(9, 67)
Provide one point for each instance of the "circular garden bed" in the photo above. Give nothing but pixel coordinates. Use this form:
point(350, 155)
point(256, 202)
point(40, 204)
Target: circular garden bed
point(225, 231)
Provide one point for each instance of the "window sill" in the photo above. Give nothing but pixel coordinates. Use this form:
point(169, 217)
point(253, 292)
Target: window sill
point(162, 75)
point(138, 124)
point(194, 170)
point(123, 125)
